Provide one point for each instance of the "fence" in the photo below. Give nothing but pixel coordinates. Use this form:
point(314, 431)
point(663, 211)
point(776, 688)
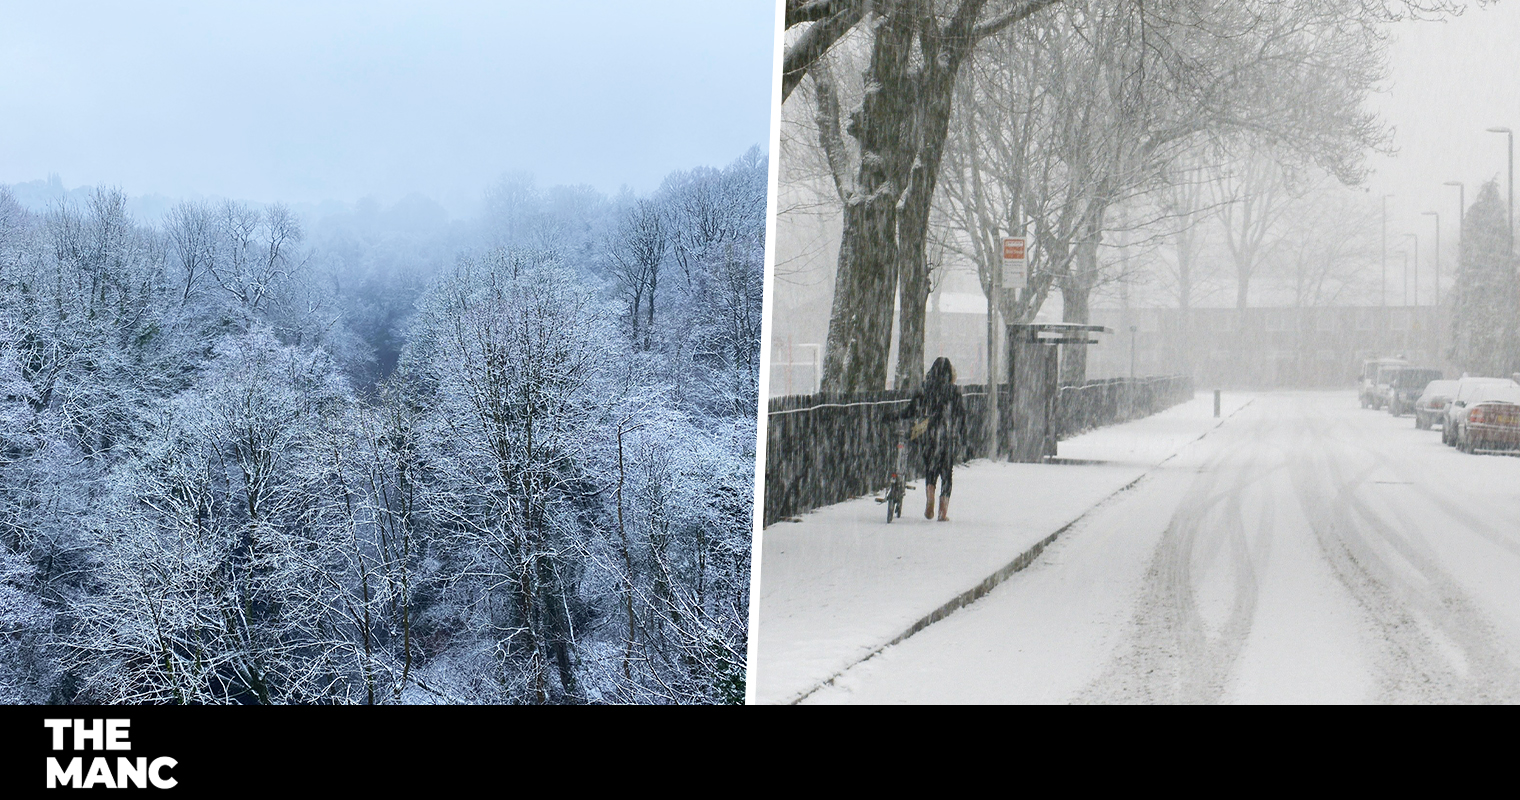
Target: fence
point(1099, 403)
point(825, 448)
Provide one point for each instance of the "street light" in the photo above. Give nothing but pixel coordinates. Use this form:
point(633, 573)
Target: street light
point(1509, 209)
point(1384, 290)
point(1416, 238)
point(1405, 254)
point(1133, 330)
point(1461, 220)
point(1438, 255)
point(1461, 203)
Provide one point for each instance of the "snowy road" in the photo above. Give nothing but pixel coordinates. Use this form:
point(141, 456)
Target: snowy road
point(1305, 551)
point(841, 584)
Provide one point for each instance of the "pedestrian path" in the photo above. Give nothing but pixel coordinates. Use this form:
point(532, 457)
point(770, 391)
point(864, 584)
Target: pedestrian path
point(842, 583)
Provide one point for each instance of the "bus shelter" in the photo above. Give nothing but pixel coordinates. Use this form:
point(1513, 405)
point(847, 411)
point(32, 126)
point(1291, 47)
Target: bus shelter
point(1027, 420)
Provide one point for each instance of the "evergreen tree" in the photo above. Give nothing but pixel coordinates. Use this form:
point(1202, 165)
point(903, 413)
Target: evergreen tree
point(1486, 305)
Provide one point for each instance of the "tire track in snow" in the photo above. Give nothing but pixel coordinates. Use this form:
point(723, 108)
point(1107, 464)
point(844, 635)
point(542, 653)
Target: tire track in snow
point(1172, 655)
point(1497, 532)
point(1434, 643)
point(1023, 560)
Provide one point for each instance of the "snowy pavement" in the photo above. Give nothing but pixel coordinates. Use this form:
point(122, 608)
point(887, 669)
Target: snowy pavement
point(842, 584)
point(1306, 551)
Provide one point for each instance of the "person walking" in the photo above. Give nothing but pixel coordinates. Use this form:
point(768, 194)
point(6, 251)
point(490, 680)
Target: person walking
point(937, 407)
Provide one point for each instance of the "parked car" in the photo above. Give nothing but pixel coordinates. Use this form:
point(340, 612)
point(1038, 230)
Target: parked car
point(1430, 407)
point(1492, 421)
point(1461, 399)
point(1375, 376)
point(1405, 386)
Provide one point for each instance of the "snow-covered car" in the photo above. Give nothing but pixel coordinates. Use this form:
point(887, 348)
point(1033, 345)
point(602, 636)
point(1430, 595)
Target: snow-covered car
point(1466, 391)
point(1430, 407)
point(1376, 373)
point(1492, 421)
point(1405, 386)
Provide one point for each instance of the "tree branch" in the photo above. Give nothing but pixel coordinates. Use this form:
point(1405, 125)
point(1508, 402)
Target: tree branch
point(1019, 12)
point(800, 11)
point(814, 42)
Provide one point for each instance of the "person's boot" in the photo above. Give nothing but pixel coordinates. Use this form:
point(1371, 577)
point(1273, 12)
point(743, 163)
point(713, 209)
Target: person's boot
point(929, 510)
point(944, 508)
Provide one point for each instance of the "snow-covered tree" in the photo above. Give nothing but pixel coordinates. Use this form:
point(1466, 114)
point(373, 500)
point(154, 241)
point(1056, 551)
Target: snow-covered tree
point(251, 457)
point(1485, 333)
point(518, 360)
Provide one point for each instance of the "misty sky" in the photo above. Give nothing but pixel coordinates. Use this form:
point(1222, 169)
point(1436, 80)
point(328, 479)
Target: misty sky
point(1449, 82)
point(300, 101)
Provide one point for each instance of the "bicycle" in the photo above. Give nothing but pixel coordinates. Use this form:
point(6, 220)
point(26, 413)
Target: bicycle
point(897, 482)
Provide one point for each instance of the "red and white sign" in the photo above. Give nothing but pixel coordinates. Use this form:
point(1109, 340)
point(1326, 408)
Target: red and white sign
point(1015, 265)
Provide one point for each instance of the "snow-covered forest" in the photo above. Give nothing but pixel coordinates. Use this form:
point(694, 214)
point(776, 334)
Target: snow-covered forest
point(249, 455)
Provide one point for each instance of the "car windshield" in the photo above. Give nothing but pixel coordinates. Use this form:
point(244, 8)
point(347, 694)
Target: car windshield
point(1415, 378)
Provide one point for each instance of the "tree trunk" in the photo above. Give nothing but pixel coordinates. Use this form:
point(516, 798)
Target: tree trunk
point(1075, 301)
point(654, 281)
point(993, 445)
point(914, 285)
point(860, 324)
point(901, 127)
point(913, 275)
point(1076, 297)
point(913, 225)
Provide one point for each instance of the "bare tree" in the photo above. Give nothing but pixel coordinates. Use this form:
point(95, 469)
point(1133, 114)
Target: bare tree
point(1253, 197)
point(1296, 71)
point(1333, 240)
point(518, 362)
point(255, 254)
point(1105, 97)
point(192, 231)
point(634, 256)
point(899, 128)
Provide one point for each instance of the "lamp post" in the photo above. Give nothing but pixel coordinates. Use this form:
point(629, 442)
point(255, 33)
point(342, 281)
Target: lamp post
point(1416, 238)
point(1438, 255)
point(1509, 208)
point(1383, 292)
point(1461, 219)
point(1133, 331)
point(1461, 202)
point(1405, 254)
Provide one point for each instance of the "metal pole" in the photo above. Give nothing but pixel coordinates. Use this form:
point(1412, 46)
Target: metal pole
point(1438, 256)
point(1416, 238)
point(1383, 291)
point(1406, 279)
point(1509, 208)
point(1461, 222)
point(1132, 330)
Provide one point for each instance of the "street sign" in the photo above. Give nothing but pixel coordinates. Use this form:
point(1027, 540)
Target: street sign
point(1015, 264)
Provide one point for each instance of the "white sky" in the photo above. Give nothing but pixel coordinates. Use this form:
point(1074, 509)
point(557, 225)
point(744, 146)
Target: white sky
point(1449, 82)
point(303, 101)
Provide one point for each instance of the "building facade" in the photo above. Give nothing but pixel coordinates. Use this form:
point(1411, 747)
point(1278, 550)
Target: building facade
point(1267, 348)
point(1251, 348)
